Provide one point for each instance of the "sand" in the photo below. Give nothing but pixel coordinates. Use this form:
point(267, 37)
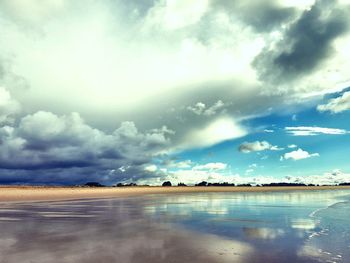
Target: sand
point(28, 193)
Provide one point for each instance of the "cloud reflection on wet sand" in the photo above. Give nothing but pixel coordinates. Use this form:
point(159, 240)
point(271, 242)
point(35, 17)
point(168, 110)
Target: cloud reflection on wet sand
point(251, 228)
point(78, 236)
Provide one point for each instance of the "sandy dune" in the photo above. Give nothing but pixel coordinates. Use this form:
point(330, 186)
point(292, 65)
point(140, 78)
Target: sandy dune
point(26, 193)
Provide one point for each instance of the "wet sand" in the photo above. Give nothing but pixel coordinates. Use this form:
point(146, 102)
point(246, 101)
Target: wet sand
point(110, 231)
point(29, 193)
point(246, 227)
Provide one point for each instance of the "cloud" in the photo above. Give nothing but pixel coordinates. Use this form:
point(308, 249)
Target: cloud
point(218, 131)
point(177, 165)
point(191, 177)
point(257, 146)
point(151, 168)
point(201, 109)
point(311, 37)
point(147, 61)
point(211, 166)
point(305, 44)
point(302, 57)
point(161, 45)
point(8, 106)
point(334, 177)
point(198, 108)
point(176, 50)
point(312, 131)
point(328, 178)
point(336, 105)
point(291, 146)
point(188, 164)
point(174, 15)
point(47, 146)
point(262, 15)
point(32, 11)
point(298, 155)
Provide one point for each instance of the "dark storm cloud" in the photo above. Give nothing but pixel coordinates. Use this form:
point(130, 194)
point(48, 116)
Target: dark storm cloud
point(77, 175)
point(43, 144)
point(312, 36)
point(54, 176)
point(306, 43)
point(262, 15)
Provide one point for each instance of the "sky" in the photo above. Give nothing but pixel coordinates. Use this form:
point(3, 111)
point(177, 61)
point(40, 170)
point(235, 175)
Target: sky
point(148, 91)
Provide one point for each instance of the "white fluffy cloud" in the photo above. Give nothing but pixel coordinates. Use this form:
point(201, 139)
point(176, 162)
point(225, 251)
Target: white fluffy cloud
point(191, 177)
point(312, 131)
point(257, 146)
point(298, 155)
point(189, 173)
point(329, 178)
point(337, 105)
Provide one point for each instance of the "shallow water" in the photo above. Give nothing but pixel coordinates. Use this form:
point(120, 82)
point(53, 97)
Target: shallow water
point(301, 226)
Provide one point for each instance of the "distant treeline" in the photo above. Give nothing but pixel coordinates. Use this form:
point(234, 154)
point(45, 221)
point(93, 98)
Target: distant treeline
point(287, 184)
point(206, 184)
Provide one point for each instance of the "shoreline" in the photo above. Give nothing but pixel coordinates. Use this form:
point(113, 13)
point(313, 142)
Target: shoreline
point(46, 193)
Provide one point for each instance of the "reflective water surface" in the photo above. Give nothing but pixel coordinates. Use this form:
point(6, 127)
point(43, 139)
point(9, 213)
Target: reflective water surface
point(301, 226)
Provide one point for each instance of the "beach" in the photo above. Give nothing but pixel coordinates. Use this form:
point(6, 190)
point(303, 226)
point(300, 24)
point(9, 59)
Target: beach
point(237, 225)
point(30, 193)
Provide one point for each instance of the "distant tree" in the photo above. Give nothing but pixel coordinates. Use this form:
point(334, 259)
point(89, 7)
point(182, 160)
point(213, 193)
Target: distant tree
point(220, 184)
point(244, 185)
point(167, 183)
point(203, 183)
point(343, 184)
point(123, 185)
point(181, 184)
point(94, 184)
point(284, 184)
point(227, 184)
